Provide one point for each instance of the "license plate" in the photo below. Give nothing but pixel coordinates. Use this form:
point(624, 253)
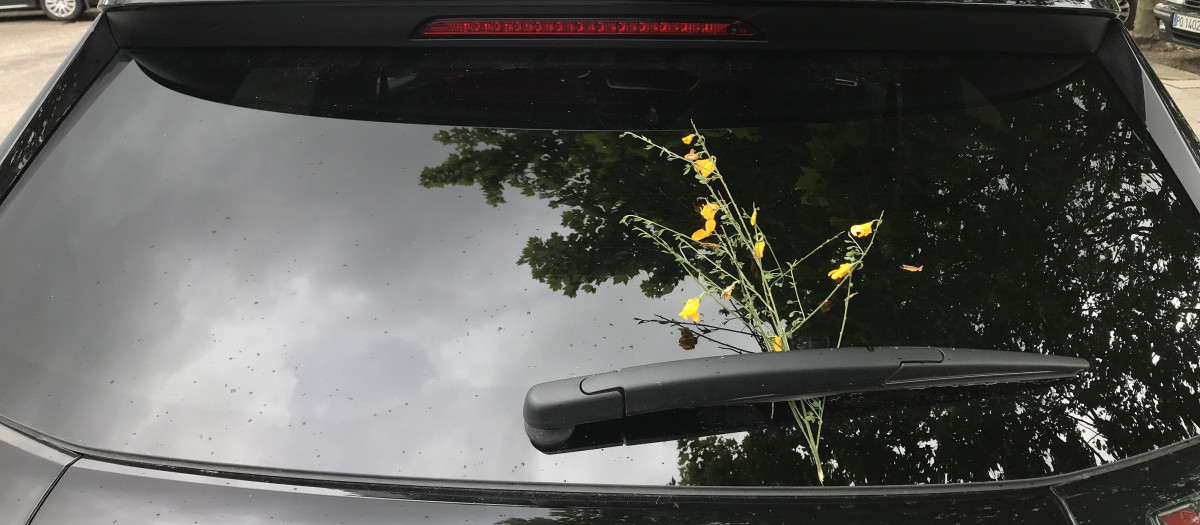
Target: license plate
point(1186, 23)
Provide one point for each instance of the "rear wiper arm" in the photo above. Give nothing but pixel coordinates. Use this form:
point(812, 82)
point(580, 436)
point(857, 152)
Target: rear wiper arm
point(554, 409)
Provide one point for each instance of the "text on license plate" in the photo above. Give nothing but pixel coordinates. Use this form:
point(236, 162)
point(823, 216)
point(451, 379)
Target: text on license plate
point(1186, 23)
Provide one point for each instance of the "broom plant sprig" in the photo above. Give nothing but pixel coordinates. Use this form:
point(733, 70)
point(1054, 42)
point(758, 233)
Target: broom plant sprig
point(733, 261)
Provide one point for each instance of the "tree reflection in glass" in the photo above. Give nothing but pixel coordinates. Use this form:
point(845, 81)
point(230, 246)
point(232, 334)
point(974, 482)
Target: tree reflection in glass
point(1040, 223)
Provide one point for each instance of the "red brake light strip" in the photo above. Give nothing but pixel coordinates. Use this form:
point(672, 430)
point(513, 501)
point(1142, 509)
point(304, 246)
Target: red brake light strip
point(476, 27)
point(1184, 516)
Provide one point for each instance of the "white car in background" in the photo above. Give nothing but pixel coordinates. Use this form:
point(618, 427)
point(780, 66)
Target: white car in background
point(64, 10)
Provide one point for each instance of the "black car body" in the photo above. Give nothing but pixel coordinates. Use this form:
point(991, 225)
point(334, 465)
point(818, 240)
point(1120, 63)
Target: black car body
point(301, 262)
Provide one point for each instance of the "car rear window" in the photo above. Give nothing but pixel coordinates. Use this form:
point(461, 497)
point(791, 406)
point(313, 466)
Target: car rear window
point(360, 261)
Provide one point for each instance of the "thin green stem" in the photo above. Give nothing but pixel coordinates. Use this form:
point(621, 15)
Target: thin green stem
point(791, 272)
point(820, 417)
point(809, 315)
point(845, 308)
point(734, 215)
point(813, 445)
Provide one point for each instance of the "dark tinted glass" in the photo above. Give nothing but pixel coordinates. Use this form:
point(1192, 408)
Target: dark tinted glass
point(596, 89)
point(218, 271)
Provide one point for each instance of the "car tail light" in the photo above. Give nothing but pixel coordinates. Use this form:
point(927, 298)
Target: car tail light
point(1182, 516)
point(563, 27)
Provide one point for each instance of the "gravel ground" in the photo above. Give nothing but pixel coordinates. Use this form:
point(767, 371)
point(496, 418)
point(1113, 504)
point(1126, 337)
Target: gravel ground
point(31, 49)
point(1173, 55)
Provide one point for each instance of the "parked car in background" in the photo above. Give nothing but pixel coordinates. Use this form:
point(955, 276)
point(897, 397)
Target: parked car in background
point(1127, 12)
point(1179, 22)
point(54, 9)
point(347, 262)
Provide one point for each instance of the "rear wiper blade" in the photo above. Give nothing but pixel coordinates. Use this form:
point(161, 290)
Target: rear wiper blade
point(553, 410)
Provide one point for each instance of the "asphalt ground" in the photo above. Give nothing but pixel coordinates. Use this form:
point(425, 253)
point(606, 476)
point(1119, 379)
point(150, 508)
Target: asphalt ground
point(31, 49)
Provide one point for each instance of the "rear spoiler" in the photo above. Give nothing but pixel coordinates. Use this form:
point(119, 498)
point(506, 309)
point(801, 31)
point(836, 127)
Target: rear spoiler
point(866, 25)
point(1086, 27)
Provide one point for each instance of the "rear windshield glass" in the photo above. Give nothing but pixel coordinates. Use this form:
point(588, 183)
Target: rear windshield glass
point(361, 261)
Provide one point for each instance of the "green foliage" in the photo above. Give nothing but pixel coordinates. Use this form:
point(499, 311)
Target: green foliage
point(587, 174)
point(772, 457)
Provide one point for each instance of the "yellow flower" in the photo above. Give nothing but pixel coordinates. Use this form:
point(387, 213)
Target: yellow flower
point(754, 217)
point(688, 139)
point(706, 166)
point(691, 309)
point(912, 268)
point(777, 344)
point(759, 248)
point(861, 230)
point(692, 155)
point(710, 225)
point(841, 271)
point(727, 293)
